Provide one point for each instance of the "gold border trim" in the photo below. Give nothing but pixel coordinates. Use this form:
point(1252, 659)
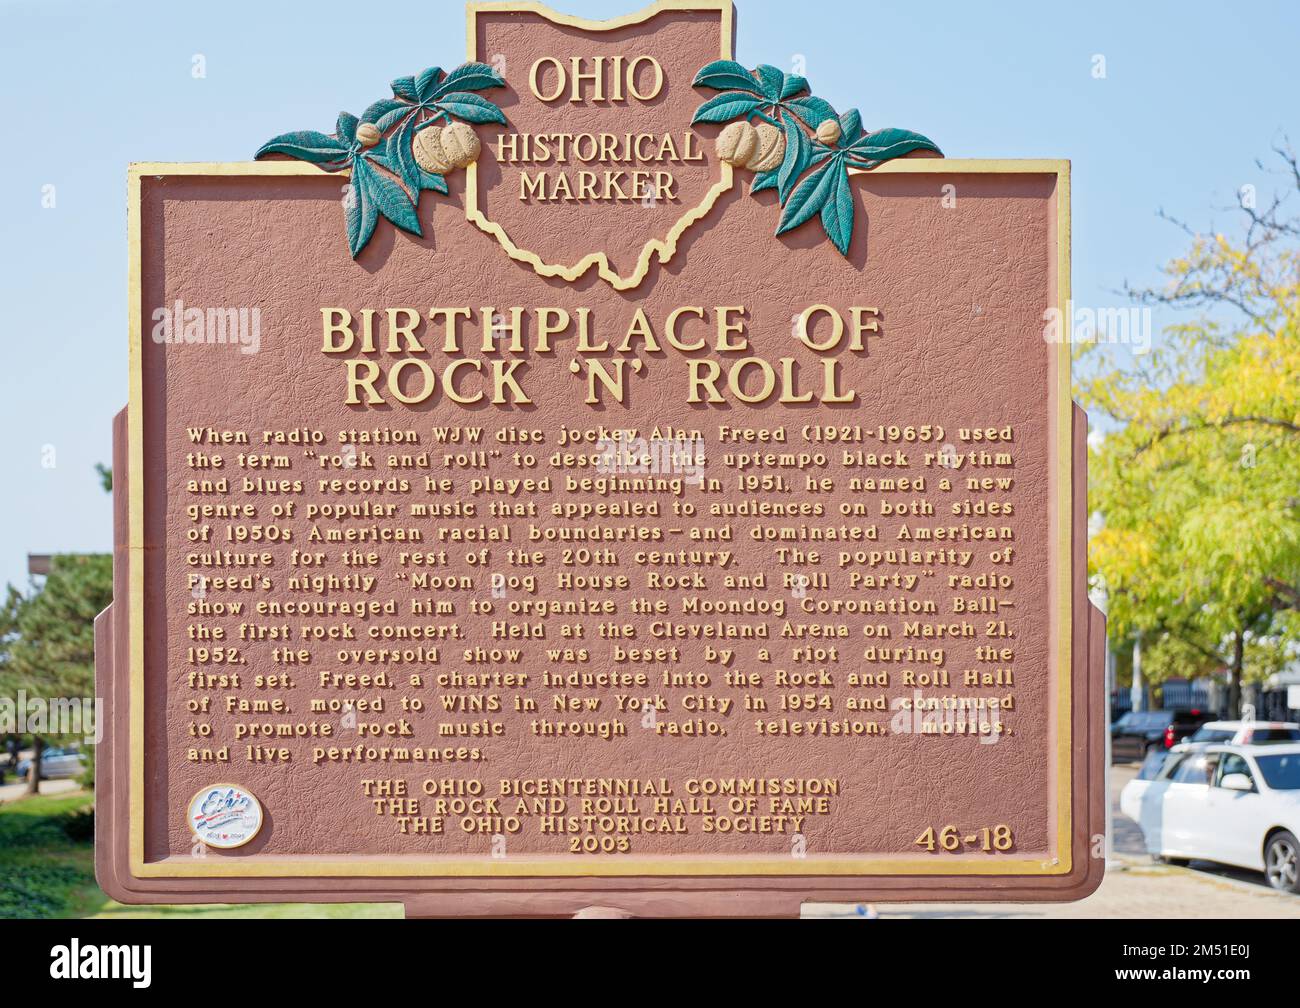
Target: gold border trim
point(666, 247)
point(1057, 862)
point(687, 867)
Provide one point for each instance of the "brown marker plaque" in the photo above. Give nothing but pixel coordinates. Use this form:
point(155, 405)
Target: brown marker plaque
point(743, 571)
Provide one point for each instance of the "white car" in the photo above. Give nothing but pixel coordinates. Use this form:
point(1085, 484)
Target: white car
point(56, 764)
point(1238, 805)
point(1246, 732)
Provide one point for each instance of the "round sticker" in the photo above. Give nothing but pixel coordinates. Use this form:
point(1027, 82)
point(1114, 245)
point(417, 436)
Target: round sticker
point(225, 816)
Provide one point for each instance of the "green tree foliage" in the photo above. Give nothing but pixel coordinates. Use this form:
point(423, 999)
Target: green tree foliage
point(1197, 494)
point(52, 649)
point(47, 637)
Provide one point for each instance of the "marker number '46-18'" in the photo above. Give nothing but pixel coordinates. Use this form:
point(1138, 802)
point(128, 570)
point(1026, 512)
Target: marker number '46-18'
point(989, 839)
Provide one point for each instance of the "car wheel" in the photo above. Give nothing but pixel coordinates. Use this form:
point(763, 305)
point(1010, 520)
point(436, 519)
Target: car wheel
point(1282, 862)
point(1177, 862)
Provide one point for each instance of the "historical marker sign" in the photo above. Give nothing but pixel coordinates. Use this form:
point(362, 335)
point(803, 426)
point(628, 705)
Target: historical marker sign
point(600, 473)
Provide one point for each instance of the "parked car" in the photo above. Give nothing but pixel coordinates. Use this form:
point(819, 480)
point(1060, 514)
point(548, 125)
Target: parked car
point(1237, 805)
point(1155, 762)
point(1138, 732)
point(1247, 732)
point(55, 764)
point(1212, 732)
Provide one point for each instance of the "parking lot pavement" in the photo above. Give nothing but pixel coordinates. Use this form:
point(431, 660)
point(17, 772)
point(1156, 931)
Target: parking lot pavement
point(1126, 835)
point(1134, 891)
point(1134, 887)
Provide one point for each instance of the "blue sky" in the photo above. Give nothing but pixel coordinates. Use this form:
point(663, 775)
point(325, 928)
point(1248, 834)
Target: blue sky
point(1192, 94)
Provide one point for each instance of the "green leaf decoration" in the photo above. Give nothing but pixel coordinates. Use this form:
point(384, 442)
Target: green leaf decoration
point(394, 116)
point(386, 179)
point(307, 145)
point(426, 82)
point(837, 211)
point(813, 111)
point(399, 153)
point(808, 198)
point(886, 144)
point(388, 196)
point(813, 177)
point(370, 195)
point(470, 77)
point(381, 157)
point(432, 97)
point(766, 94)
point(793, 85)
point(470, 107)
point(360, 213)
point(820, 153)
point(850, 128)
point(772, 80)
point(798, 155)
point(726, 75)
point(346, 128)
point(726, 106)
point(432, 182)
point(763, 181)
point(380, 109)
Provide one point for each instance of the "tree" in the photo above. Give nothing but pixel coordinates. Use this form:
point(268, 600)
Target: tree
point(47, 648)
point(1197, 490)
point(47, 636)
point(8, 633)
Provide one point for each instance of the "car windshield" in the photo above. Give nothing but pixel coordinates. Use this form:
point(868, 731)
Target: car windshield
point(1281, 772)
point(1212, 735)
point(1152, 765)
point(1274, 735)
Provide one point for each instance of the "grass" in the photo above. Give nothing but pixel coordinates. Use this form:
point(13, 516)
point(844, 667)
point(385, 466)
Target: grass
point(44, 874)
